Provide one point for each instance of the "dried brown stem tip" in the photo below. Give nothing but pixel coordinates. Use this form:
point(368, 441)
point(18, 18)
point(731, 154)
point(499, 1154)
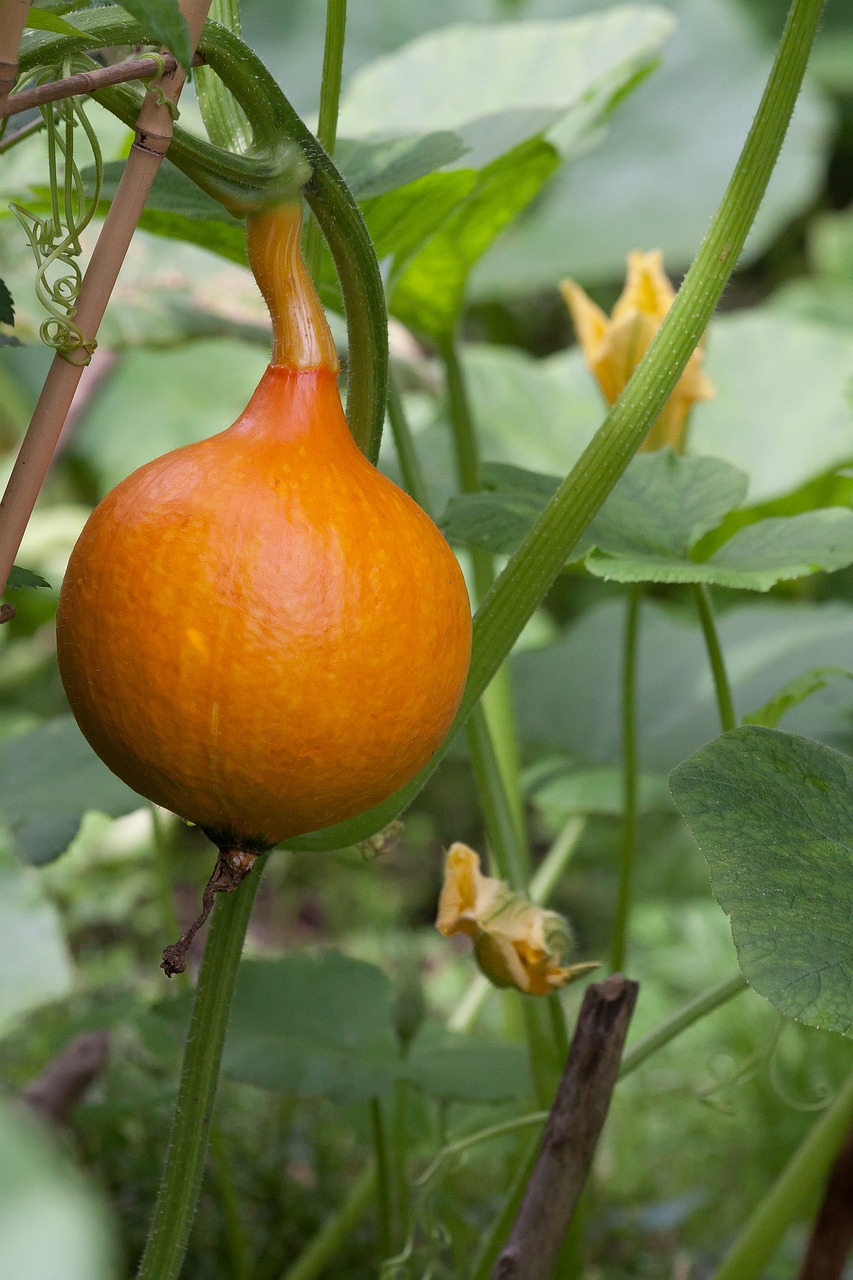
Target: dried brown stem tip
point(232, 867)
point(7, 612)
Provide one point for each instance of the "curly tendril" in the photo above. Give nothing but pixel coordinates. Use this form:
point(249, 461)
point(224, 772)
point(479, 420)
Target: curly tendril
point(55, 239)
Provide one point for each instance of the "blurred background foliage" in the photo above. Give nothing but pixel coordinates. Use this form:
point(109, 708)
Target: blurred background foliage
point(92, 878)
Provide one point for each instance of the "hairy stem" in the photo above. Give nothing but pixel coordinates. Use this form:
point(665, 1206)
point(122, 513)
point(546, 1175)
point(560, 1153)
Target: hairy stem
point(179, 1189)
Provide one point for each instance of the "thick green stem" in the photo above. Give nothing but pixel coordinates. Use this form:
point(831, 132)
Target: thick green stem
point(793, 1192)
point(331, 1237)
point(407, 454)
point(384, 1214)
point(725, 701)
point(179, 1189)
point(628, 843)
point(330, 97)
point(534, 566)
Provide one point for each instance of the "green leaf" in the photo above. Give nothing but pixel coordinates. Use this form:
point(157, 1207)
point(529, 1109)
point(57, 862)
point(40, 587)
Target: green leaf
point(21, 579)
point(773, 814)
point(428, 295)
point(165, 24)
point(628, 194)
point(7, 305)
point(567, 694)
point(598, 791)
point(662, 505)
point(779, 412)
point(49, 778)
point(47, 1212)
point(468, 1070)
point(35, 966)
point(755, 559)
point(44, 20)
point(373, 168)
point(313, 1026)
point(795, 692)
point(498, 89)
point(179, 210)
point(466, 78)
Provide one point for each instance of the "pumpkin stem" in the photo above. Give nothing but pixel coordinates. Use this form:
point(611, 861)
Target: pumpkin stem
point(232, 867)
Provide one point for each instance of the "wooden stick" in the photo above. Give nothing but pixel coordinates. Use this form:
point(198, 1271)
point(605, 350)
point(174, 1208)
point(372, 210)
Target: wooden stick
point(572, 1132)
point(87, 82)
point(13, 19)
point(832, 1234)
point(153, 135)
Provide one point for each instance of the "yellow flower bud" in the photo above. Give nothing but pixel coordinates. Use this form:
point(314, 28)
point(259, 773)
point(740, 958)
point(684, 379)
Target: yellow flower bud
point(613, 346)
point(516, 943)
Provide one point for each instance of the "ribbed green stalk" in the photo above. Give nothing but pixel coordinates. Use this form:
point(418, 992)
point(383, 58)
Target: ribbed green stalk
point(179, 1189)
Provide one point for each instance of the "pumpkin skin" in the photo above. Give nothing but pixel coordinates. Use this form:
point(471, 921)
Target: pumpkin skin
point(261, 632)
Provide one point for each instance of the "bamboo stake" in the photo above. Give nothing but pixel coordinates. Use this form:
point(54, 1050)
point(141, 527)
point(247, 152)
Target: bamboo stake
point(153, 135)
point(88, 82)
point(13, 19)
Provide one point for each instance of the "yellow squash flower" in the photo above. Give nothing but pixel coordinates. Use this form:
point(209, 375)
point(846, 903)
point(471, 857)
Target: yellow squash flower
point(613, 346)
point(516, 943)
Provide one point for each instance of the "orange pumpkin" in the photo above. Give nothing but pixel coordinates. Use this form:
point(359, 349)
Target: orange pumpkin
point(261, 632)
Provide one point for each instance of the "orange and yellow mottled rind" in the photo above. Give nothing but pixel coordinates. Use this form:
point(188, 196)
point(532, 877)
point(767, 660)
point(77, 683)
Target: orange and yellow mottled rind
point(261, 632)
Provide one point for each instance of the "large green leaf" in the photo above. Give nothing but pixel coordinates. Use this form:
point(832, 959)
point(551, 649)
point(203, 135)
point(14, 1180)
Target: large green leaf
point(463, 1069)
point(179, 210)
point(567, 695)
point(322, 1026)
point(773, 814)
point(374, 167)
point(313, 1026)
point(428, 295)
point(51, 1223)
point(628, 194)
point(755, 559)
point(498, 89)
point(49, 778)
point(35, 966)
point(466, 78)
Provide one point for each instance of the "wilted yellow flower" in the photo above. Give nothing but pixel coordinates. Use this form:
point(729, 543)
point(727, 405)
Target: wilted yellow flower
point(614, 346)
point(516, 943)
